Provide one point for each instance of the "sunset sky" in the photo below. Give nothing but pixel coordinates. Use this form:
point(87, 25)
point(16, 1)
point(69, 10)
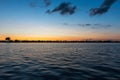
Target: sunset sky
point(60, 19)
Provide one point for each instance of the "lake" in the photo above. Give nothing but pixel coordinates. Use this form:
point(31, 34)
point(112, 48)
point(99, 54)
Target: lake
point(59, 61)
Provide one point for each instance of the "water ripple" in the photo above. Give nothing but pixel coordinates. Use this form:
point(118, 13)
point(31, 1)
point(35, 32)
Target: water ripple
point(69, 61)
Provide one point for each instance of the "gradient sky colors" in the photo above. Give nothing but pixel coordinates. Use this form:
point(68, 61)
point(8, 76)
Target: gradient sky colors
point(28, 20)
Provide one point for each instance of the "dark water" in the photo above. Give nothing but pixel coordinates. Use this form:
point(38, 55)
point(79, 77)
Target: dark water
point(60, 61)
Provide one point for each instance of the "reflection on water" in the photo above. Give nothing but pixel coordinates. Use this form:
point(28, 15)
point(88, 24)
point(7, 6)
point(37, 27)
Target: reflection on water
point(60, 61)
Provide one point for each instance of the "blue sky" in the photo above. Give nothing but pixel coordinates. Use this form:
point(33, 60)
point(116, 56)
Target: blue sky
point(21, 20)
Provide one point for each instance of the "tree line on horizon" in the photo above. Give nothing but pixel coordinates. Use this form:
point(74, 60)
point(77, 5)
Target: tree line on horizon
point(8, 40)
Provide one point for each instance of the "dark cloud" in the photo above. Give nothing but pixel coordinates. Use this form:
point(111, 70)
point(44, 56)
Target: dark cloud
point(103, 8)
point(64, 8)
point(33, 4)
point(47, 2)
point(36, 3)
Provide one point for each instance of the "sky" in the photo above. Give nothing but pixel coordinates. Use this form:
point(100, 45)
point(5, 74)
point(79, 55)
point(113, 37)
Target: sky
point(60, 19)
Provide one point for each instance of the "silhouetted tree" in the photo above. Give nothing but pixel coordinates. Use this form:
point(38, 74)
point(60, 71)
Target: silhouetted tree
point(7, 39)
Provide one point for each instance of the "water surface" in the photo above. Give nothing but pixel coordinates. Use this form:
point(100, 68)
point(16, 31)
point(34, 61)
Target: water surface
point(60, 61)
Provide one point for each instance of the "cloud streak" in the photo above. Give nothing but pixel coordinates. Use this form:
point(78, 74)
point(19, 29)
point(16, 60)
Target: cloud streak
point(103, 8)
point(64, 8)
point(92, 26)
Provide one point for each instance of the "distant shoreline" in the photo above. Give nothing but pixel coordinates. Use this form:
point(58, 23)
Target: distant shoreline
point(49, 41)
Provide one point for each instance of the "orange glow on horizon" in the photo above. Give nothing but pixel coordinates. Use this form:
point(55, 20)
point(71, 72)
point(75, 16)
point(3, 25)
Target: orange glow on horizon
point(54, 38)
point(81, 37)
point(42, 38)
